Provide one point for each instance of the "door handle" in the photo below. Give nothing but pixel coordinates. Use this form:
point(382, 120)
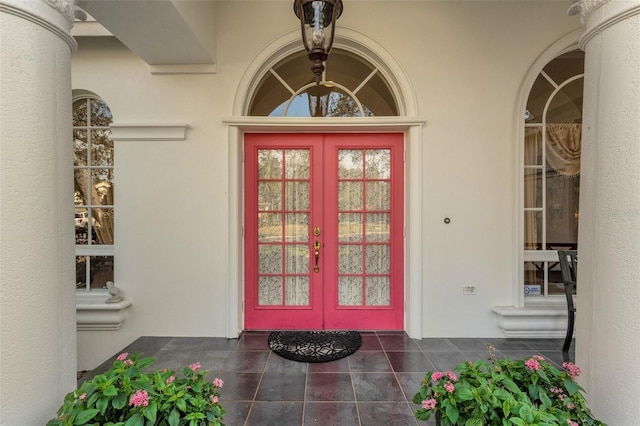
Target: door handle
point(316, 252)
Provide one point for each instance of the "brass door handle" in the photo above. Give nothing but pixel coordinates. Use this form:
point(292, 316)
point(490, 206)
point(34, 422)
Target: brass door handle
point(316, 252)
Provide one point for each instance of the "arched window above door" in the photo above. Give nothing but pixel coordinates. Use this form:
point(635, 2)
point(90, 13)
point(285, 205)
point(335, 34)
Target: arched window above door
point(351, 87)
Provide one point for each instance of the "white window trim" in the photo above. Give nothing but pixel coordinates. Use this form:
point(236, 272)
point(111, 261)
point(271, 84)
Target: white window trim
point(544, 316)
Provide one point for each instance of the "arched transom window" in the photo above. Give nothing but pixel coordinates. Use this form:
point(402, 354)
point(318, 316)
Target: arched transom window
point(351, 87)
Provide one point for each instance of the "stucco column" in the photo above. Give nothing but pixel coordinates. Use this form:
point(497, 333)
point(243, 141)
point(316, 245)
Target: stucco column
point(608, 305)
point(37, 295)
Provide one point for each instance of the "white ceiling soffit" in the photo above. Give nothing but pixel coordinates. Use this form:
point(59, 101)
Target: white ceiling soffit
point(161, 32)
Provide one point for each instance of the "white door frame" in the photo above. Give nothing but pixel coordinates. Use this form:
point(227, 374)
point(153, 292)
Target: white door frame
point(408, 122)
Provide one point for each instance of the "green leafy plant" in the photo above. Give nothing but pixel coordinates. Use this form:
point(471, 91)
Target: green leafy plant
point(503, 392)
point(126, 395)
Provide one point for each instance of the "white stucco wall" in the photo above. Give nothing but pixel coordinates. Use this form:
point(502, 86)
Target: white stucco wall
point(466, 62)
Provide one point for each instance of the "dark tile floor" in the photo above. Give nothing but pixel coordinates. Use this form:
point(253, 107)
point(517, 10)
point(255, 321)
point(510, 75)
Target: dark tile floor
point(374, 386)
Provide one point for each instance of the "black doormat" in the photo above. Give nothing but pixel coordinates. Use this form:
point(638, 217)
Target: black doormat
point(314, 346)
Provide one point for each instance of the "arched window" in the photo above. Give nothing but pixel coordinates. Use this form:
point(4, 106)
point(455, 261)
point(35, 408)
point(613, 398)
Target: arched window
point(351, 87)
point(93, 157)
point(553, 127)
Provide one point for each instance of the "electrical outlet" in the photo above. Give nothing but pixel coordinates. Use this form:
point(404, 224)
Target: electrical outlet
point(468, 289)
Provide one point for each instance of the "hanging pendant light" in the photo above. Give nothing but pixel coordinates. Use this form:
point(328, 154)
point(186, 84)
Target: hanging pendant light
point(317, 22)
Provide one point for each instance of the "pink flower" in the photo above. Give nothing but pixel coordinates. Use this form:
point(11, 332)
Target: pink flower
point(571, 423)
point(572, 369)
point(170, 379)
point(218, 382)
point(195, 366)
point(139, 398)
point(429, 404)
point(123, 356)
point(449, 387)
point(214, 399)
point(82, 396)
point(538, 357)
point(451, 376)
point(436, 376)
point(571, 406)
point(128, 362)
point(532, 364)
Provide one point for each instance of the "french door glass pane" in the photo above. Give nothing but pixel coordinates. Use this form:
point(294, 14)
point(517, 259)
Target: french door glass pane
point(269, 259)
point(349, 227)
point(350, 291)
point(350, 195)
point(297, 195)
point(269, 290)
point(350, 164)
point(297, 164)
point(297, 259)
point(378, 261)
point(269, 164)
point(378, 164)
point(269, 227)
point(269, 195)
point(297, 291)
point(377, 227)
point(378, 195)
point(378, 291)
point(296, 227)
point(284, 188)
point(350, 259)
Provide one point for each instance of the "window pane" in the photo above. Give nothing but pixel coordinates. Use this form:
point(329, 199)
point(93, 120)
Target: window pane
point(270, 195)
point(534, 278)
point(296, 291)
point(79, 147)
point(297, 196)
point(350, 259)
point(270, 291)
point(269, 259)
point(378, 164)
point(350, 291)
point(349, 195)
point(378, 195)
point(101, 271)
point(269, 164)
point(102, 225)
point(533, 230)
point(378, 259)
point(345, 73)
point(350, 164)
point(377, 227)
point(562, 209)
point(81, 271)
point(378, 291)
point(101, 148)
point(566, 105)
point(349, 227)
point(297, 260)
point(297, 163)
point(80, 112)
point(269, 227)
point(100, 114)
point(102, 186)
point(297, 227)
point(532, 187)
point(81, 184)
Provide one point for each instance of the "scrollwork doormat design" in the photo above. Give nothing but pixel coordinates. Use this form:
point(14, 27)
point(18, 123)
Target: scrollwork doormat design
point(314, 346)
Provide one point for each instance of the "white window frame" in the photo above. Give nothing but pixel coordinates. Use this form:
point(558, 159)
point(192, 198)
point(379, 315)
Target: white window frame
point(542, 255)
point(89, 249)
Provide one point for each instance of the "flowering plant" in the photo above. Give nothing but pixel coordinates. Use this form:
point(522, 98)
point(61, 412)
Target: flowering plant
point(128, 396)
point(504, 392)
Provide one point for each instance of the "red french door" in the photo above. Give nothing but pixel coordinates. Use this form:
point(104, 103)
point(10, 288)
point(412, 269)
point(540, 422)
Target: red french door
point(324, 231)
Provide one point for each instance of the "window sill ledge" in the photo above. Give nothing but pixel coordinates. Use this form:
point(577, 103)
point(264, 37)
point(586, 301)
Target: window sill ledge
point(538, 321)
point(93, 314)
